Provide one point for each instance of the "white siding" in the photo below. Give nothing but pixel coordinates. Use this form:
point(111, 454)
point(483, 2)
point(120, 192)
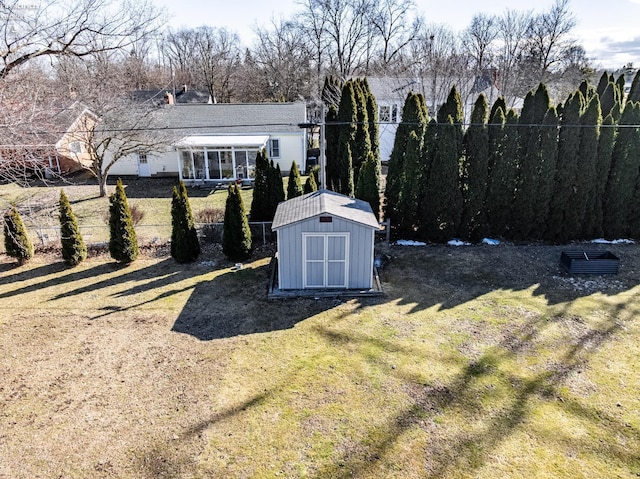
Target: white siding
point(292, 148)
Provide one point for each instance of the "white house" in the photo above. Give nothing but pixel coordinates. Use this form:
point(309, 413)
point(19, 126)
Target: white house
point(219, 142)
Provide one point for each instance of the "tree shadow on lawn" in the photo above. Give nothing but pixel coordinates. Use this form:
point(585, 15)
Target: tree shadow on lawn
point(466, 397)
point(235, 304)
point(43, 273)
point(447, 276)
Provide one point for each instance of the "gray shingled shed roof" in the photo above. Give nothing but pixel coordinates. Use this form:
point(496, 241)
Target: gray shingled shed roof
point(234, 118)
point(324, 202)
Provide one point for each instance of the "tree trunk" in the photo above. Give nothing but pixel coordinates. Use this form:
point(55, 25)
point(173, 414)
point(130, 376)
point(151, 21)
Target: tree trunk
point(102, 182)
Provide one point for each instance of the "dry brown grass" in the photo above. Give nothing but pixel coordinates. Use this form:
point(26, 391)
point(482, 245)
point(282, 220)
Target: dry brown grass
point(479, 362)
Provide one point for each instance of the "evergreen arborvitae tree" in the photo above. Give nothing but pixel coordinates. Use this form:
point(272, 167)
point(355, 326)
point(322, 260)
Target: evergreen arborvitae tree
point(585, 185)
point(278, 185)
point(603, 166)
point(602, 84)
point(415, 172)
point(475, 171)
point(294, 187)
point(185, 246)
point(584, 89)
point(442, 204)
point(620, 83)
point(546, 172)
point(16, 239)
point(563, 223)
point(634, 92)
point(368, 187)
point(276, 189)
point(405, 220)
point(414, 118)
point(236, 241)
point(503, 148)
point(453, 109)
point(310, 185)
point(332, 139)
point(123, 242)
point(616, 112)
point(372, 115)
point(525, 201)
point(623, 173)
point(499, 103)
point(348, 119)
point(362, 145)
point(261, 204)
point(74, 249)
point(608, 99)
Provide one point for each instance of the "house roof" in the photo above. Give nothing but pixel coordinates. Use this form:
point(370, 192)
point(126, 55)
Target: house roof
point(49, 127)
point(183, 95)
point(392, 89)
point(194, 141)
point(234, 118)
point(320, 203)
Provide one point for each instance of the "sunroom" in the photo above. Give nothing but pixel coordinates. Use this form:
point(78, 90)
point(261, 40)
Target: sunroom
point(219, 158)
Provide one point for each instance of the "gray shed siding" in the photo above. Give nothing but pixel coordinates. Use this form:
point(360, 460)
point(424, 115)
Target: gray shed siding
point(290, 251)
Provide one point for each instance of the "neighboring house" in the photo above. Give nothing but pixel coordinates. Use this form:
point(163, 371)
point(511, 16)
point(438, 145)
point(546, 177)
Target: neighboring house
point(57, 142)
point(325, 241)
point(73, 145)
point(219, 142)
point(171, 97)
point(390, 94)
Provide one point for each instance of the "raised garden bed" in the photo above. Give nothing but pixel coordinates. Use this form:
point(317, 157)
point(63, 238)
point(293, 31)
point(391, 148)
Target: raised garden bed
point(590, 262)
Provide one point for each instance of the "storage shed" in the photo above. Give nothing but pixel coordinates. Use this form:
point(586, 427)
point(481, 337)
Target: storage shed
point(325, 241)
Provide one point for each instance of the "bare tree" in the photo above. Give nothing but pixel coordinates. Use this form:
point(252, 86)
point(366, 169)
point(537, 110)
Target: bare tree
point(396, 27)
point(79, 28)
point(478, 40)
point(283, 59)
point(217, 58)
point(206, 57)
point(512, 39)
point(438, 63)
point(549, 37)
point(114, 126)
point(344, 34)
point(178, 48)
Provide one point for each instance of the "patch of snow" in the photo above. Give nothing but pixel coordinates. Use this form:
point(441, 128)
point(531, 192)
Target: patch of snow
point(207, 264)
point(493, 242)
point(410, 243)
point(617, 241)
point(457, 242)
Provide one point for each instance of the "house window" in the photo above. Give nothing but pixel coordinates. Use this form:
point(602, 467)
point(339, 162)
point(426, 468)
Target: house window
point(394, 113)
point(75, 147)
point(385, 113)
point(142, 158)
point(274, 148)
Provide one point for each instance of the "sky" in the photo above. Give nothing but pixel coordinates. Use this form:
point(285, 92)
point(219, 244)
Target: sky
point(609, 30)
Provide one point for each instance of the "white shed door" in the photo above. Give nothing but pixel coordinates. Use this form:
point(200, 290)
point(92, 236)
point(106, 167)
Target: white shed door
point(325, 260)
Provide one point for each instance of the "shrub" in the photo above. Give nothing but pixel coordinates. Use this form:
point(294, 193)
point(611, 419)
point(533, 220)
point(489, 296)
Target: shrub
point(137, 214)
point(236, 243)
point(16, 240)
point(123, 243)
point(185, 246)
point(74, 249)
point(210, 215)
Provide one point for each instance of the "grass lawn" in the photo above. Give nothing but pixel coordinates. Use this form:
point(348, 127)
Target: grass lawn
point(479, 362)
point(39, 206)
